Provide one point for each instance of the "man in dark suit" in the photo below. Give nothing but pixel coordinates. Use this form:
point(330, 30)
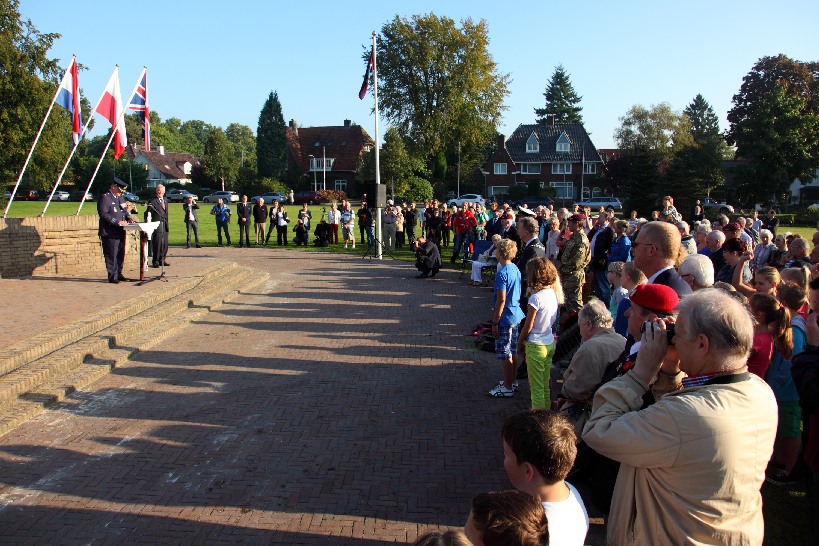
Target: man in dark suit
point(191, 220)
point(509, 231)
point(600, 239)
point(527, 230)
point(245, 213)
point(158, 209)
point(259, 219)
point(655, 252)
point(113, 214)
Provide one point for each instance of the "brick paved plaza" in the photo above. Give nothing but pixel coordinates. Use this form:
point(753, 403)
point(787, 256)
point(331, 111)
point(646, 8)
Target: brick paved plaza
point(342, 404)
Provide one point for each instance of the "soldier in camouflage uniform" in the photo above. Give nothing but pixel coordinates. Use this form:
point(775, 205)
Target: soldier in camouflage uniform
point(573, 261)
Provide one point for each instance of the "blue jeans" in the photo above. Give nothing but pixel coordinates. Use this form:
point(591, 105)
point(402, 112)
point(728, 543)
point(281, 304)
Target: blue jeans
point(223, 226)
point(601, 287)
point(370, 236)
point(460, 238)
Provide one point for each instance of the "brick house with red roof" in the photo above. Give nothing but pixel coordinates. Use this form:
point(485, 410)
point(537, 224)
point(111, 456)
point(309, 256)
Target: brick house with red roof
point(163, 167)
point(341, 146)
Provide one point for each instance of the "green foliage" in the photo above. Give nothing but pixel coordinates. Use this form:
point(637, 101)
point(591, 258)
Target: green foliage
point(330, 196)
point(703, 120)
point(418, 189)
point(658, 130)
point(561, 100)
point(218, 160)
point(439, 85)
point(271, 184)
point(271, 139)
point(397, 164)
point(641, 193)
point(518, 191)
point(243, 140)
point(775, 124)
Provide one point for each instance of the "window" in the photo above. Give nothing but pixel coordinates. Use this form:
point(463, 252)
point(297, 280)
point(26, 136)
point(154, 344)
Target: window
point(564, 190)
point(530, 168)
point(561, 168)
point(532, 144)
point(341, 185)
point(563, 143)
point(590, 168)
point(500, 168)
point(316, 164)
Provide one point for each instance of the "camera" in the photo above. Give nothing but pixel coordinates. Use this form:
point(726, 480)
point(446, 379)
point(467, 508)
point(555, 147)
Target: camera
point(669, 330)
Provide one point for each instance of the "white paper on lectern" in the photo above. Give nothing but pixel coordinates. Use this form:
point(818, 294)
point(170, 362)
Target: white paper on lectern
point(147, 228)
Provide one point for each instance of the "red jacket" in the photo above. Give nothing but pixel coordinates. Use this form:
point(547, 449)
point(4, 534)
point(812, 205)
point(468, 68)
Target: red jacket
point(464, 221)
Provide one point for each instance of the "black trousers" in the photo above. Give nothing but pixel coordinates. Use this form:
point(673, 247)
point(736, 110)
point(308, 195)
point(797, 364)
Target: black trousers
point(159, 244)
point(281, 234)
point(244, 230)
point(114, 252)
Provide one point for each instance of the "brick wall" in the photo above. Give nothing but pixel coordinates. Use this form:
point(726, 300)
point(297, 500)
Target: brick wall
point(55, 245)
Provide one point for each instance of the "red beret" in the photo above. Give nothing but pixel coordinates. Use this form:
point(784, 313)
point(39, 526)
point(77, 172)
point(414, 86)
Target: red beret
point(656, 298)
point(508, 216)
point(733, 226)
point(577, 217)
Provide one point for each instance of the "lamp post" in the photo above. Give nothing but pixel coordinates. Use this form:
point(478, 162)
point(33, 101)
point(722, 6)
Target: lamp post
point(485, 188)
point(323, 168)
point(314, 171)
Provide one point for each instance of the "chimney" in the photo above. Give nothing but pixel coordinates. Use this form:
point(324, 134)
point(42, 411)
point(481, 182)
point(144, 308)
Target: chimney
point(294, 127)
point(161, 149)
point(550, 119)
point(501, 141)
point(347, 123)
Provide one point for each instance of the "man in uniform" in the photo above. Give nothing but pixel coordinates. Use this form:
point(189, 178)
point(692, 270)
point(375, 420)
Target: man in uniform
point(573, 261)
point(158, 209)
point(113, 215)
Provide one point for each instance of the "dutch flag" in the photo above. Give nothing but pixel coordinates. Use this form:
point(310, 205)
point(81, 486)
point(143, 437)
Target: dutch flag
point(69, 98)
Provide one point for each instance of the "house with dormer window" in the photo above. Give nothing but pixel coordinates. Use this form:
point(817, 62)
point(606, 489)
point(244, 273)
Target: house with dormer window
point(557, 155)
point(163, 167)
point(330, 156)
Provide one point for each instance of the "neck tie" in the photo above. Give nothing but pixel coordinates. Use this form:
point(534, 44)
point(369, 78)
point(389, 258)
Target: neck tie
point(162, 202)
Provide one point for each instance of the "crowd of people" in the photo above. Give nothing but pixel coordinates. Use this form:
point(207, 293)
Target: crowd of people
point(697, 374)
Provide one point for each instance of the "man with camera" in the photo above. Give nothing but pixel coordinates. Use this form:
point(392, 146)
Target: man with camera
point(693, 462)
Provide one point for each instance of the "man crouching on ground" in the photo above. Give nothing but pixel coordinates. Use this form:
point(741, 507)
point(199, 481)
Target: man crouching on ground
point(692, 463)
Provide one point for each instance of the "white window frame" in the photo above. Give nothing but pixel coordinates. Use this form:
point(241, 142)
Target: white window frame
point(561, 189)
point(340, 185)
point(530, 168)
point(590, 168)
point(501, 168)
point(532, 144)
point(563, 147)
point(561, 168)
point(316, 164)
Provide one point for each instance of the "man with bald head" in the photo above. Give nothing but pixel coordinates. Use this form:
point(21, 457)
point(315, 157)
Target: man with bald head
point(655, 252)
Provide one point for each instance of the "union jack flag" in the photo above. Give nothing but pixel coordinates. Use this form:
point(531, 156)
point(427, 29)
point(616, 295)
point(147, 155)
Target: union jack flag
point(139, 103)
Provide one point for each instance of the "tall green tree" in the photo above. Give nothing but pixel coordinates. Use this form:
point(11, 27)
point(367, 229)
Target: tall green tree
point(774, 123)
point(658, 130)
point(397, 164)
point(703, 119)
point(561, 100)
point(271, 140)
point(219, 161)
point(438, 83)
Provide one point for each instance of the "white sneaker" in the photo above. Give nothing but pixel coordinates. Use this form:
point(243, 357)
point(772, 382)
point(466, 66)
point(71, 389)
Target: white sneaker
point(345, 246)
point(501, 392)
point(514, 385)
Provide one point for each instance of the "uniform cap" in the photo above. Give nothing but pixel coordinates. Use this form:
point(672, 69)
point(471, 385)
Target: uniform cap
point(120, 183)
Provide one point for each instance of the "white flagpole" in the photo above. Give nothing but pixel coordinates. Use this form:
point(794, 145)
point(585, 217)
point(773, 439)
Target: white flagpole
point(583, 172)
point(36, 139)
point(113, 132)
point(379, 254)
point(74, 149)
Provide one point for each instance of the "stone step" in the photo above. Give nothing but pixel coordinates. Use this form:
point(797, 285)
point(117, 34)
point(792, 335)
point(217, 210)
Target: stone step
point(46, 343)
point(30, 389)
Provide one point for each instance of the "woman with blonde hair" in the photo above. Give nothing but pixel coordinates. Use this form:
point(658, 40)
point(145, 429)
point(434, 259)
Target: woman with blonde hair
point(536, 342)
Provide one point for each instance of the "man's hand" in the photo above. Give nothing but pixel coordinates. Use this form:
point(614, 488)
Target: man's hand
point(653, 349)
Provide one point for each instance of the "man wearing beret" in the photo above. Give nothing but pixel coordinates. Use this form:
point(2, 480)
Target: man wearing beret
point(113, 213)
point(573, 261)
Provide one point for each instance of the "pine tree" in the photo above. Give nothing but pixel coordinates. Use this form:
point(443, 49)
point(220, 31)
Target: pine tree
point(271, 140)
point(561, 100)
point(704, 122)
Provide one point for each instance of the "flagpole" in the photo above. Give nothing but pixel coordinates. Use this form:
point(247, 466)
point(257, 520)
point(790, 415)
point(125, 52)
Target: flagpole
point(36, 139)
point(74, 149)
point(113, 132)
point(379, 254)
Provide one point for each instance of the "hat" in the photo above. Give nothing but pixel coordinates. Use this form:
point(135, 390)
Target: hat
point(576, 217)
point(733, 226)
point(657, 298)
point(120, 183)
point(389, 201)
point(526, 210)
point(508, 216)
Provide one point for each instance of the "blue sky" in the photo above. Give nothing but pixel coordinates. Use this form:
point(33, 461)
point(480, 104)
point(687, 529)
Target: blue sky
point(218, 61)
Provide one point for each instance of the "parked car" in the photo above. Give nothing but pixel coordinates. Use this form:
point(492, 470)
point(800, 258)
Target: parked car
point(7, 195)
point(309, 197)
point(467, 198)
point(27, 195)
point(78, 196)
point(61, 196)
point(132, 197)
point(534, 202)
point(609, 203)
point(225, 196)
point(270, 196)
point(711, 205)
point(179, 196)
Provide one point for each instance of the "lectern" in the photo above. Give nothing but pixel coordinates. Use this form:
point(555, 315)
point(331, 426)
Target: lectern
point(146, 230)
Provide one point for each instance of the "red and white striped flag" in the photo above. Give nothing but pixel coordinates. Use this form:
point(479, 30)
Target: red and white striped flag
point(110, 108)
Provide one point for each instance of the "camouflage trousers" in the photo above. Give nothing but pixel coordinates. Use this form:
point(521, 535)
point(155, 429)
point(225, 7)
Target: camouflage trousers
point(573, 289)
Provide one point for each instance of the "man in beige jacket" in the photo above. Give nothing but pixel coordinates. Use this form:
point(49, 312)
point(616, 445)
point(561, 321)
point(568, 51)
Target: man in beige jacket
point(692, 463)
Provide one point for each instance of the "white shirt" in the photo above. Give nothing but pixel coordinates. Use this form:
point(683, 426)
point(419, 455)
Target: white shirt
point(568, 520)
point(545, 303)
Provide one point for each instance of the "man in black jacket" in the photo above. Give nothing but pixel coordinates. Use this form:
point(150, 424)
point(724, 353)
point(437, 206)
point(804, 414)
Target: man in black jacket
point(655, 252)
point(427, 258)
point(158, 209)
point(191, 220)
point(600, 239)
point(245, 213)
point(259, 219)
point(113, 216)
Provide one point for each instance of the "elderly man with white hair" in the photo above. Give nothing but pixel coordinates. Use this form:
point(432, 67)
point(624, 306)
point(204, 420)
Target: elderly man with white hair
point(687, 240)
point(713, 242)
point(692, 463)
point(762, 251)
point(698, 271)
